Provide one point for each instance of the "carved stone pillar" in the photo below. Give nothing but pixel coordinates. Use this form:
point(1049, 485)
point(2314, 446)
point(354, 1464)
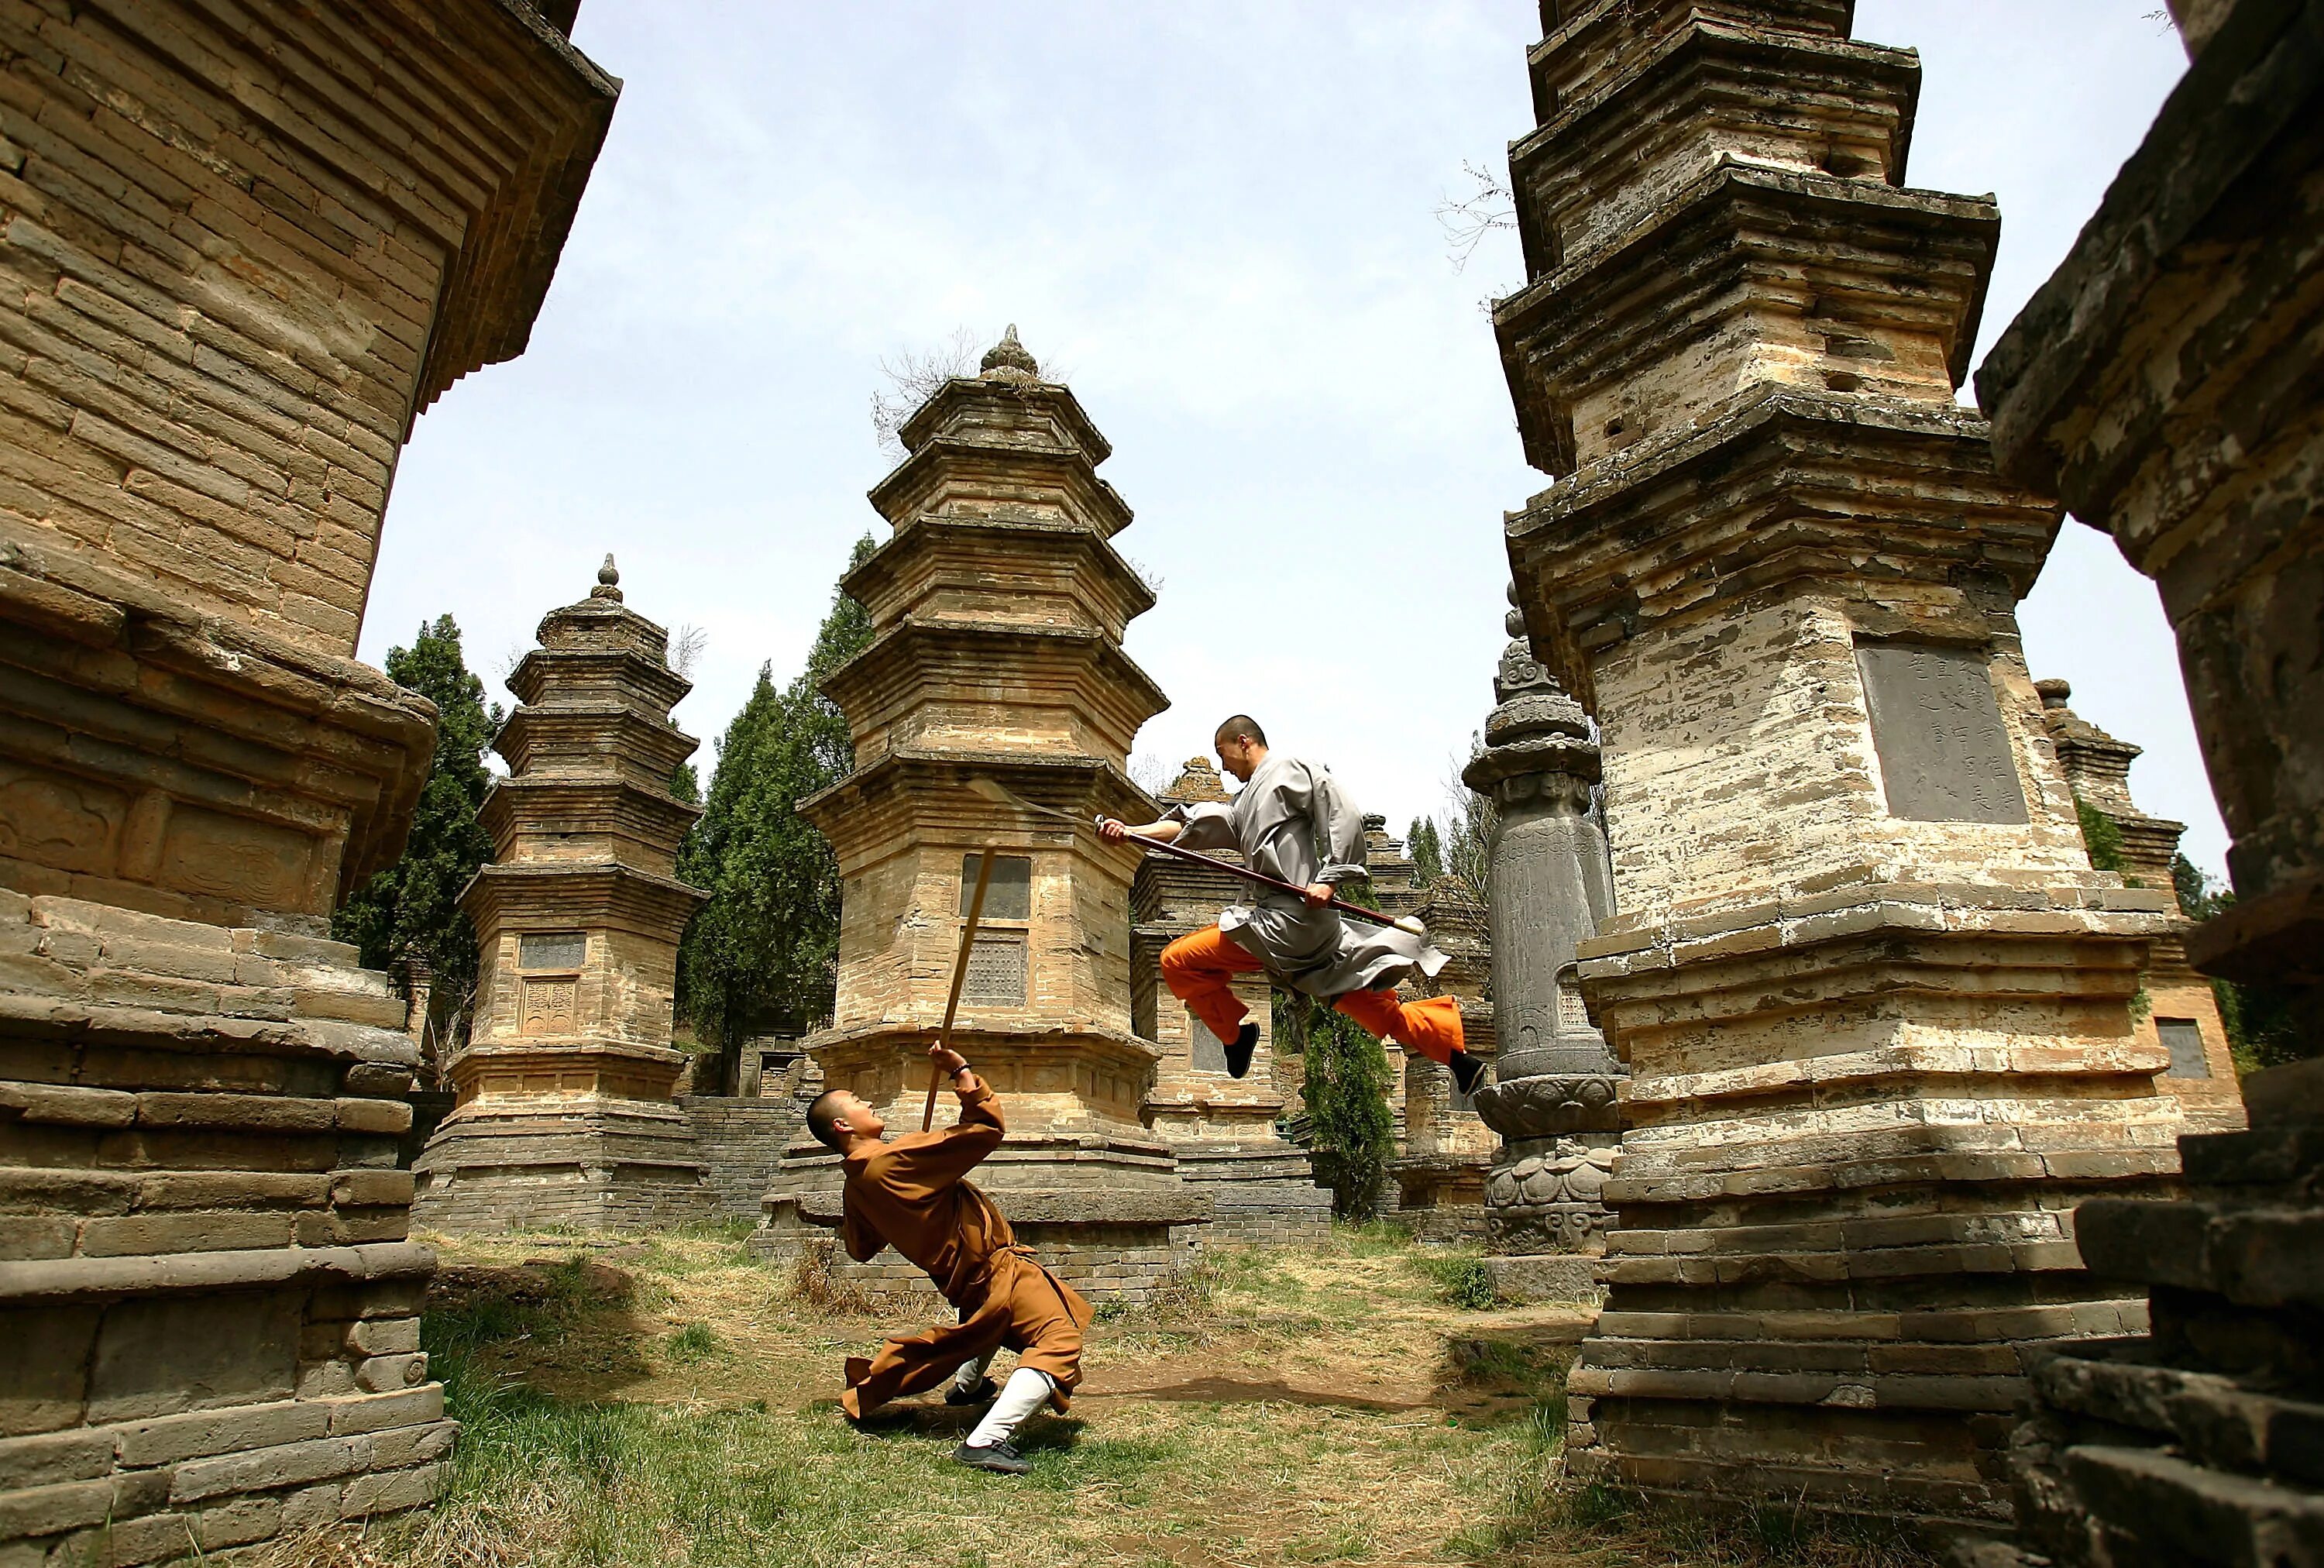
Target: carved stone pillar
point(1552, 1097)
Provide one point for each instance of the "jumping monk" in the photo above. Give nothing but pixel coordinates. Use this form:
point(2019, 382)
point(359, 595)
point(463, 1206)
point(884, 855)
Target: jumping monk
point(913, 1195)
point(1285, 808)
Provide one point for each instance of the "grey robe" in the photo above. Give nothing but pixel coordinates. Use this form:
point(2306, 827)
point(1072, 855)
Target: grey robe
point(1275, 821)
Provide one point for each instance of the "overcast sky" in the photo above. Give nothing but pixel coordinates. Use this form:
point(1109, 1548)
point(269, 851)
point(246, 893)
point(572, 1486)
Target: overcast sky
point(1217, 220)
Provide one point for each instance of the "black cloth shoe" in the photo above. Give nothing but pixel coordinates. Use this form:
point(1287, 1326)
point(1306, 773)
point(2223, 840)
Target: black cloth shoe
point(1240, 1049)
point(985, 1392)
point(997, 1457)
point(1467, 1070)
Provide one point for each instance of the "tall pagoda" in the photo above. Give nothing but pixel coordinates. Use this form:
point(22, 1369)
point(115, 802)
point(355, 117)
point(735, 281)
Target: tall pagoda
point(564, 1112)
point(1874, 1003)
point(997, 608)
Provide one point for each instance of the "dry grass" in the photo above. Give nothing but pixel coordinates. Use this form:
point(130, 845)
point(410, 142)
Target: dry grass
point(669, 1400)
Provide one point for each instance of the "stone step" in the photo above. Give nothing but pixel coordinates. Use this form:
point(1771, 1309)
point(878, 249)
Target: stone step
point(2214, 1421)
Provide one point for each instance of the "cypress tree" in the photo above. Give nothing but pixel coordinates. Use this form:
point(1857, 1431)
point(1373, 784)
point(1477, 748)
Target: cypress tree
point(1427, 851)
point(411, 908)
point(764, 949)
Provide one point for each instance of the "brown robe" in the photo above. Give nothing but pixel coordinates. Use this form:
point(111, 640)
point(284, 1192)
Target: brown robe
point(912, 1195)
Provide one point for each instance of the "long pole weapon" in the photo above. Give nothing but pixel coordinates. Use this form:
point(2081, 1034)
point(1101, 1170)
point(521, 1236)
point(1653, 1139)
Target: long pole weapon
point(937, 1074)
point(992, 789)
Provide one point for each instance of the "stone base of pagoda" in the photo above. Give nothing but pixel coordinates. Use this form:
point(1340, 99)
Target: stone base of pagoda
point(1261, 1193)
point(1102, 1199)
point(1855, 1136)
point(1441, 1197)
point(582, 1135)
point(1546, 1216)
point(2196, 1444)
point(1262, 1187)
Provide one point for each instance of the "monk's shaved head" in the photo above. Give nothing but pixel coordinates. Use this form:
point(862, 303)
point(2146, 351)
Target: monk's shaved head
point(1241, 727)
point(822, 1117)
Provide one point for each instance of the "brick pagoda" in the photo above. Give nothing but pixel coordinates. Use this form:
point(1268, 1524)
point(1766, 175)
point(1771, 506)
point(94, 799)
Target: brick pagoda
point(244, 246)
point(2181, 1014)
point(997, 611)
point(564, 1112)
point(1874, 1000)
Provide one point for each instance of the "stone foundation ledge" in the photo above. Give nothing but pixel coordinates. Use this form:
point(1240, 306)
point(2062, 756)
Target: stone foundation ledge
point(1534, 1277)
point(1697, 1455)
point(1950, 1069)
point(192, 1484)
point(93, 968)
point(1886, 911)
point(2126, 1458)
point(1909, 1157)
point(2076, 1320)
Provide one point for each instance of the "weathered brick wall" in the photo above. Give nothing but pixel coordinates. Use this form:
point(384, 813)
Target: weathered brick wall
point(220, 308)
point(742, 1142)
point(204, 1273)
point(241, 245)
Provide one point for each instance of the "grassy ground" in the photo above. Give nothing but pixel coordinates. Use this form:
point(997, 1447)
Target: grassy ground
point(670, 1400)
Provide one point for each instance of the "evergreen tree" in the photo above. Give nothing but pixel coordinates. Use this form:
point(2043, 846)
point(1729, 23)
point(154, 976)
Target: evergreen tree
point(1427, 851)
point(411, 910)
point(1352, 1128)
point(2262, 1024)
point(765, 949)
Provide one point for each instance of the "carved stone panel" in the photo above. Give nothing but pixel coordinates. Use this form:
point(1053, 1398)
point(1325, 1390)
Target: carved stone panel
point(996, 967)
point(1944, 750)
point(550, 1007)
point(1008, 895)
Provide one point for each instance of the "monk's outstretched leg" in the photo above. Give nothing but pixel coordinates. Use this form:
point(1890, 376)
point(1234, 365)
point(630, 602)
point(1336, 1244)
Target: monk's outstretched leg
point(1431, 1026)
point(1197, 968)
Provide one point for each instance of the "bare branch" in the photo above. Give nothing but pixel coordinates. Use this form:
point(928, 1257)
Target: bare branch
point(685, 646)
point(1466, 221)
point(914, 378)
point(1150, 773)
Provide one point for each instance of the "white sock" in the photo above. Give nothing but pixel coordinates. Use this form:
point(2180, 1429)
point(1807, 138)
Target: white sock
point(971, 1370)
point(1020, 1396)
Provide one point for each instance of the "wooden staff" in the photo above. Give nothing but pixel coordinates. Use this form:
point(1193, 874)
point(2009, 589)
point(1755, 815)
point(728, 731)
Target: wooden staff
point(992, 789)
point(937, 1074)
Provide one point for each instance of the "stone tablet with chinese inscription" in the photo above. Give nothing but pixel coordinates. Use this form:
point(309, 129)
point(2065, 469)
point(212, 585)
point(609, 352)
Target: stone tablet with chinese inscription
point(1945, 752)
point(1206, 1051)
point(1008, 895)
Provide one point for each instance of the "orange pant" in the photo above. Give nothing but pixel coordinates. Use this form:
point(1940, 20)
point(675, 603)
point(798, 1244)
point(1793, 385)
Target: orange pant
point(1198, 967)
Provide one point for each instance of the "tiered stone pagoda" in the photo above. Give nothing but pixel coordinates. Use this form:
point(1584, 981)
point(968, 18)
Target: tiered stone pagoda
point(1874, 1003)
point(2165, 382)
point(2182, 1012)
point(564, 1112)
point(247, 245)
point(997, 611)
point(1552, 1094)
point(1262, 1185)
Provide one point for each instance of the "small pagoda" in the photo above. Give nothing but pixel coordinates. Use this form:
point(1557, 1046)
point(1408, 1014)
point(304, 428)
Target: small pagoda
point(997, 609)
point(564, 1112)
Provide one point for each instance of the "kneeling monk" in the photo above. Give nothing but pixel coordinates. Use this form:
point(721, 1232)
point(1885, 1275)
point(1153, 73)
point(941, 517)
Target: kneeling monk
point(912, 1195)
point(1283, 808)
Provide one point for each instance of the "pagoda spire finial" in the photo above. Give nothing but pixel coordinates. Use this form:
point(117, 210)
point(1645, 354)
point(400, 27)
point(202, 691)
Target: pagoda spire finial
point(609, 581)
point(1007, 360)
